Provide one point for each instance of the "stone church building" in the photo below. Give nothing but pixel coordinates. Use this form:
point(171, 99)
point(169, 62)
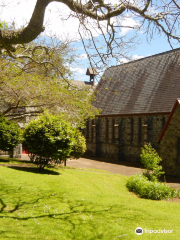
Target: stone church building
point(139, 103)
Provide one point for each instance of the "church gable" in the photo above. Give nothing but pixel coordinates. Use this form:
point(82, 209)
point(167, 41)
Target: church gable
point(136, 99)
point(170, 142)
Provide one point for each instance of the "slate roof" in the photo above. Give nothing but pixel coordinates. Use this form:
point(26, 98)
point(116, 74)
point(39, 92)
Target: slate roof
point(147, 85)
point(81, 83)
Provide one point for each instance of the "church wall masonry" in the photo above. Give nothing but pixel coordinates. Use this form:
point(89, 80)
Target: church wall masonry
point(121, 138)
point(136, 101)
point(170, 146)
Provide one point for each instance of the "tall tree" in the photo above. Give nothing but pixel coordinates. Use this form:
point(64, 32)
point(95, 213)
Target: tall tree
point(108, 17)
point(27, 89)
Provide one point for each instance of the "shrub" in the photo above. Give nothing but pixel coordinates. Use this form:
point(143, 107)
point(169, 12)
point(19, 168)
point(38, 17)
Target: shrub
point(146, 185)
point(79, 145)
point(151, 160)
point(144, 188)
point(51, 139)
point(10, 134)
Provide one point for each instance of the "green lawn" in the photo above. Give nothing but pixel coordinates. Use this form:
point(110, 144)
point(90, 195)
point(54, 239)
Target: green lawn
point(7, 160)
point(70, 204)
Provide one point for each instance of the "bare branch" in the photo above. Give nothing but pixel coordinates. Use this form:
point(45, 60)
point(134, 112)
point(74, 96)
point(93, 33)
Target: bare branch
point(165, 20)
point(146, 6)
point(177, 5)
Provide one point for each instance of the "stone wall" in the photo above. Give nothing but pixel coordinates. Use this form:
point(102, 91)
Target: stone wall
point(121, 138)
point(170, 146)
point(17, 151)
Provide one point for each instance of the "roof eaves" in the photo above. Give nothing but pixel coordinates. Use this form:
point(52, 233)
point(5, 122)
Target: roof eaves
point(133, 114)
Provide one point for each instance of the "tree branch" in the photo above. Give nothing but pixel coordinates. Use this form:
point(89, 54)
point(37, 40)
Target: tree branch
point(28, 34)
point(99, 11)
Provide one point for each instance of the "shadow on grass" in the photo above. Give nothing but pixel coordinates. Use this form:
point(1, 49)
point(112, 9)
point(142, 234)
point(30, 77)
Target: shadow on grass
point(14, 160)
point(75, 218)
point(80, 219)
point(35, 170)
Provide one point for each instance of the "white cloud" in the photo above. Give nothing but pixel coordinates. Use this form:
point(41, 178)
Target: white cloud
point(118, 2)
point(75, 69)
point(56, 19)
point(83, 56)
point(78, 70)
point(18, 11)
point(136, 57)
point(125, 60)
point(128, 24)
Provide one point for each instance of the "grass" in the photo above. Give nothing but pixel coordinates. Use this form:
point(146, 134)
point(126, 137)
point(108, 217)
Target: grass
point(7, 160)
point(84, 169)
point(68, 204)
point(145, 188)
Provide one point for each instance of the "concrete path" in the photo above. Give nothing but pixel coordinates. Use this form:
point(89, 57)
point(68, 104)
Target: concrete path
point(124, 168)
point(113, 168)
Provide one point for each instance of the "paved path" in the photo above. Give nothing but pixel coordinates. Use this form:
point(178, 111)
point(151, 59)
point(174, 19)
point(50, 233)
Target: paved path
point(124, 168)
point(114, 168)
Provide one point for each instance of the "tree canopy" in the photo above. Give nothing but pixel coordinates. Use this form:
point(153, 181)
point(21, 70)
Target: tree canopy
point(27, 89)
point(108, 17)
point(10, 134)
point(38, 77)
point(52, 139)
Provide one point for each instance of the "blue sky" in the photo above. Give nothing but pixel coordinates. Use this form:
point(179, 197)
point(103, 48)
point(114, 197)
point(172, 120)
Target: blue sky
point(145, 49)
point(20, 11)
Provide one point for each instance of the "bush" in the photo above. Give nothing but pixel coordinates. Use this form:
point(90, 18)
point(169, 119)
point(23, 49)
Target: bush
point(51, 139)
point(146, 185)
point(151, 160)
point(79, 145)
point(144, 188)
point(10, 134)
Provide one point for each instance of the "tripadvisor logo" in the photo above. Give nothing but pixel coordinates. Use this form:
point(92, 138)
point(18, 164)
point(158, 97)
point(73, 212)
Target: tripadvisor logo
point(139, 231)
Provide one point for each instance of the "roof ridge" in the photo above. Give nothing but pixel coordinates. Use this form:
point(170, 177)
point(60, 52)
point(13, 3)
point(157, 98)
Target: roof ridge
point(158, 54)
